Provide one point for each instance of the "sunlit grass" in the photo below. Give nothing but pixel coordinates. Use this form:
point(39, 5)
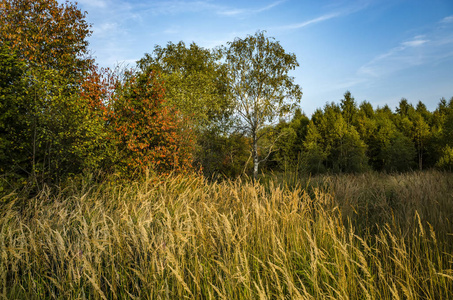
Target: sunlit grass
point(368, 236)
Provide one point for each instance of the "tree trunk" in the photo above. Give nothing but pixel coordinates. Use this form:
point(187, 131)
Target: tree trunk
point(255, 156)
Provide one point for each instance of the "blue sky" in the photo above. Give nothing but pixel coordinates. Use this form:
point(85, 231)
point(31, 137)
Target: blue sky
point(380, 50)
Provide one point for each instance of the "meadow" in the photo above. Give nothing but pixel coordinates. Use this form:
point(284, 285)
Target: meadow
point(366, 236)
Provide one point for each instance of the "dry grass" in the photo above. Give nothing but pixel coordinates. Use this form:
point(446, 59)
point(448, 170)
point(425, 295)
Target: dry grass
point(346, 237)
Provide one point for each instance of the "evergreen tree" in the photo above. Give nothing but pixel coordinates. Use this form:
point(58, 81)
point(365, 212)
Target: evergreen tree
point(314, 154)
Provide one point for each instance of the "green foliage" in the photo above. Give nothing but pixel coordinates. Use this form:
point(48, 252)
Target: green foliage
point(13, 108)
point(398, 153)
point(349, 109)
point(61, 116)
point(260, 84)
point(49, 130)
point(196, 84)
point(224, 155)
point(194, 79)
point(314, 154)
point(289, 145)
point(341, 142)
point(44, 126)
point(446, 159)
point(447, 126)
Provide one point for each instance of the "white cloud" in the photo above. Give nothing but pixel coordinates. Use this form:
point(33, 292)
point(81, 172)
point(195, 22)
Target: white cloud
point(243, 11)
point(232, 12)
point(360, 5)
point(177, 7)
point(418, 51)
point(448, 19)
point(173, 7)
point(312, 21)
point(416, 42)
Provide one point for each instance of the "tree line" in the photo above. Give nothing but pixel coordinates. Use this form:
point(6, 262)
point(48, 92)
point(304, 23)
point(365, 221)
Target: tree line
point(348, 137)
point(226, 111)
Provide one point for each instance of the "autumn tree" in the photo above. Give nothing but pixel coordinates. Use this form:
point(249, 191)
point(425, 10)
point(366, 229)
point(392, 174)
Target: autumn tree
point(146, 132)
point(49, 39)
point(47, 34)
point(260, 84)
point(196, 84)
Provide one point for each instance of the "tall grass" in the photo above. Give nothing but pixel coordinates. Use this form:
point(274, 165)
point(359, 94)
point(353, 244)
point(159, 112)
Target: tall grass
point(343, 237)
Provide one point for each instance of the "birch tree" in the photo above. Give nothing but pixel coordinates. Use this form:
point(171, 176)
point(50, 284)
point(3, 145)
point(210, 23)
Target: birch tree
point(261, 85)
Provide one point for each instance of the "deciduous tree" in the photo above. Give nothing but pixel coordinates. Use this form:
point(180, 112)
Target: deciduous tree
point(47, 34)
point(195, 81)
point(260, 84)
point(50, 41)
point(146, 132)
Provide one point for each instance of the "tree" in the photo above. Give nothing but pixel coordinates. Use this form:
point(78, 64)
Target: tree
point(349, 109)
point(147, 133)
point(260, 84)
point(139, 130)
point(289, 146)
point(421, 135)
point(46, 34)
point(13, 108)
point(424, 112)
point(196, 84)
point(346, 151)
point(446, 135)
point(50, 41)
point(194, 79)
point(398, 153)
point(314, 154)
point(404, 108)
point(446, 159)
point(225, 155)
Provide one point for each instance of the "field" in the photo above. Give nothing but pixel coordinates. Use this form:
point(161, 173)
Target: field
point(368, 236)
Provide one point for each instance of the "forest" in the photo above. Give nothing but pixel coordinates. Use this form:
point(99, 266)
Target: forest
point(225, 112)
point(195, 174)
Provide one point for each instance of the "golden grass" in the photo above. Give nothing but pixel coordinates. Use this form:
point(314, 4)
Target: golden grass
point(183, 237)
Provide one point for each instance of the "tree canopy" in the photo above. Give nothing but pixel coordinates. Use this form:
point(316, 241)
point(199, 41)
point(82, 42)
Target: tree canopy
point(260, 84)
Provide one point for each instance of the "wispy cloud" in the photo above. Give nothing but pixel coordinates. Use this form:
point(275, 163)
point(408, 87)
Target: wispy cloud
point(417, 51)
point(174, 7)
point(416, 42)
point(434, 47)
point(448, 19)
point(339, 12)
point(311, 21)
point(249, 11)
